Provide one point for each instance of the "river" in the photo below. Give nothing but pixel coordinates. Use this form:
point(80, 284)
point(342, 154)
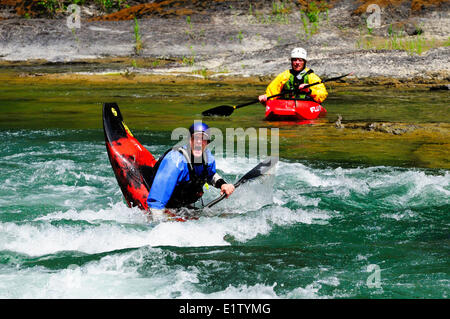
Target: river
point(348, 213)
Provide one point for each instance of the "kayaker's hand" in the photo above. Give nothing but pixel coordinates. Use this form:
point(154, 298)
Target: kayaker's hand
point(303, 89)
point(227, 189)
point(262, 99)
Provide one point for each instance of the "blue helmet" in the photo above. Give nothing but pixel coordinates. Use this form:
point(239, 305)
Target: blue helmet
point(199, 126)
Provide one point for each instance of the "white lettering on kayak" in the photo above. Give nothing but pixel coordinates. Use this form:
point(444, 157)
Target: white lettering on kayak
point(313, 109)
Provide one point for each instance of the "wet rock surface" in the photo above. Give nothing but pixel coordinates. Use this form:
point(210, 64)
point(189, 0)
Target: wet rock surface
point(390, 128)
point(236, 38)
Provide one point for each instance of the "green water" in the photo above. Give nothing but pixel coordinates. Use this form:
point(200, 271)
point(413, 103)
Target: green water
point(311, 230)
point(35, 104)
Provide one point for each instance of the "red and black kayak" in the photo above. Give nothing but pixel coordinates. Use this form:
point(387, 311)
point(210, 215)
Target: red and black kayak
point(293, 110)
point(130, 161)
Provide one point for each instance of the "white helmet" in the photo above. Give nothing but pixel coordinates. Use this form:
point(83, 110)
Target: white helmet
point(298, 53)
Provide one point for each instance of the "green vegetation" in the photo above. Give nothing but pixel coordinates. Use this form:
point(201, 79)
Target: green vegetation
point(194, 34)
point(314, 14)
point(52, 7)
point(279, 13)
point(447, 42)
point(311, 15)
point(414, 45)
point(107, 5)
point(398, 41)
point(74, 32)
point(240, 37)
point(111, 5)
point(189, 60)
point(189, 32)
point(137, 37)
point(203, 72)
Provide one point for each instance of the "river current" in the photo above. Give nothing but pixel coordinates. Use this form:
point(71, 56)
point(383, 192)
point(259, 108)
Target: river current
point(310, 229)
point(303, 232)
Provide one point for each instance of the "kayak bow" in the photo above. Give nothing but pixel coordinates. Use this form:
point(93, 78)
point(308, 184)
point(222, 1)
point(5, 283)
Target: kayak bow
point(282, 110)
point(130, 161)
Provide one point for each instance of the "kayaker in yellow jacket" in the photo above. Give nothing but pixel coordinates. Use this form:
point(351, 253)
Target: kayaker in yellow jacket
point(296, 79)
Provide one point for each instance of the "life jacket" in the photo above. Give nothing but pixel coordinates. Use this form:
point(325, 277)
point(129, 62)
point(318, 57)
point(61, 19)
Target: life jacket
point(188, 192)
point(293, 83)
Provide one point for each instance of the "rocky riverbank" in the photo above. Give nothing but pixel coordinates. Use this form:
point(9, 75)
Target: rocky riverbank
point(225, 39)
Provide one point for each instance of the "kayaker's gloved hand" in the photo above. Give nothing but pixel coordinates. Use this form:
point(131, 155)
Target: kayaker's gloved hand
point(303, 89)
point(262, 99)
point(227, 189)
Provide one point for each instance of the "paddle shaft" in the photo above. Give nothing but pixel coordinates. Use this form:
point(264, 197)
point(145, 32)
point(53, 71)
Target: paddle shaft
point(214, 202)
point(219, 199)
point(327, 80)
point(255, 101)
point(258, 170)
point(306, 86)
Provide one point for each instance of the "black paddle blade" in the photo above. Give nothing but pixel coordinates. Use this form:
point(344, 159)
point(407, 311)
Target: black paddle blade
point(222, 110)
point(258, 170)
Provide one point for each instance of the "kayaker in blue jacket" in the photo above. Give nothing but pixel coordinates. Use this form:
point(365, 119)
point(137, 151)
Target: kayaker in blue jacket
point(182, 172)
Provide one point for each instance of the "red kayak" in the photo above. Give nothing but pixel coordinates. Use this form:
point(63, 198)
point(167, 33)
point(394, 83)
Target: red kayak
point(293, 110)
point(132, 163)
point(129, 159)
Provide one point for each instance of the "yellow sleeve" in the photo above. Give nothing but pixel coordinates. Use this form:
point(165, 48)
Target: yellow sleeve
point(277, 84)
point(318, 92)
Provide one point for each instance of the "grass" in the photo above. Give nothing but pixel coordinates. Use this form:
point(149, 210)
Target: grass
point(189, 60)
point(203, 72)
point(279, 13)
point(52, 7)
point(312, 16)
point(240, 36)
point(193, 34)
point(447, 42)
point(137, 38)
point(413, 45)
point(111, 5)
point(74, 32)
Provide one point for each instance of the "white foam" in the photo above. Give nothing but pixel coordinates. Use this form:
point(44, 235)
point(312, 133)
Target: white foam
point(340, 181)
point(43, 238)
point(282, 197)
point(258, 291)
point(407, 214)
point(117, 276)
point(309, 292)
point(117, 212)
